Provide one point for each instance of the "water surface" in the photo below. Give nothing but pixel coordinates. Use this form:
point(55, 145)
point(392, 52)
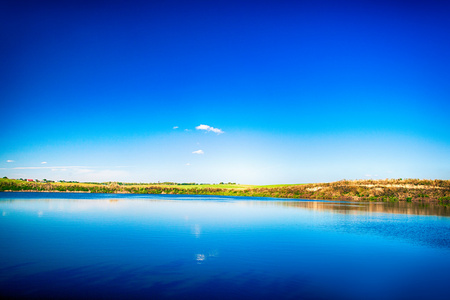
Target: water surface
point(59, 245)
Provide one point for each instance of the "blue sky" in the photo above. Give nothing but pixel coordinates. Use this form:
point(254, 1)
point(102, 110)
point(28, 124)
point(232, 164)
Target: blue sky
point(306, 91)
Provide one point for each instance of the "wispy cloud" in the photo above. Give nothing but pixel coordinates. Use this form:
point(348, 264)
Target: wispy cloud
point(175, 127)
point(188, 164)
point(198, 152)
point(10, 161)
point(66, 167)
point(104, 175)
point(56, 167)
point(43, 163)
point(79, 173)
point(82, 171)
point(209, 128)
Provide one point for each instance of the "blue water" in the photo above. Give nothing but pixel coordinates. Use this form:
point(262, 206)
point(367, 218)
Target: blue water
point(57, 245)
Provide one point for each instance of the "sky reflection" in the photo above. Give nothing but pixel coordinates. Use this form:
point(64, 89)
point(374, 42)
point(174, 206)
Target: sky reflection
point(109, 246)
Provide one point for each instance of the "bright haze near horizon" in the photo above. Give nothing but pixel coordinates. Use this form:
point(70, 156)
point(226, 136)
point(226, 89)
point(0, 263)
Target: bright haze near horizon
point(258, 92)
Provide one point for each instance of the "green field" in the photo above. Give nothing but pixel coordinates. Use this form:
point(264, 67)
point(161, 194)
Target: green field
point(391, 190)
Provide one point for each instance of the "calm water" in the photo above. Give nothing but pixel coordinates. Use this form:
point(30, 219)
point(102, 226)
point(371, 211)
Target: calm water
point(160, 246)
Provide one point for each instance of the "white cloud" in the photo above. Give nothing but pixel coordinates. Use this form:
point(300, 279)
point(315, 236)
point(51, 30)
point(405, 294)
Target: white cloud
point(209, 128)
point(188, 164)
point(198, 152)
point(175, 127)
point(10, 161)
point(43, 163)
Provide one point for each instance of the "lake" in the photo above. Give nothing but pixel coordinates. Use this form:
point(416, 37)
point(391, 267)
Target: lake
point(70, 245)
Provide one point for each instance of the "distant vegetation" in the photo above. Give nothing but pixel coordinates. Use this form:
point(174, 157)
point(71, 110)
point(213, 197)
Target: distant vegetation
point(408, 190)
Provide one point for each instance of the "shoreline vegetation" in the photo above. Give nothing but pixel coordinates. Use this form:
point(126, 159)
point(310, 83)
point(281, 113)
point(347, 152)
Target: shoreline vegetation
point(388, 190)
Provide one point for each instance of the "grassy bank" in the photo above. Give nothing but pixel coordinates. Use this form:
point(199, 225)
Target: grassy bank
point(408, 190)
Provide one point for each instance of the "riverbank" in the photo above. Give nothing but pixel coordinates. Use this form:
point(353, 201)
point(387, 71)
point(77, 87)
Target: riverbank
point(392, 190)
